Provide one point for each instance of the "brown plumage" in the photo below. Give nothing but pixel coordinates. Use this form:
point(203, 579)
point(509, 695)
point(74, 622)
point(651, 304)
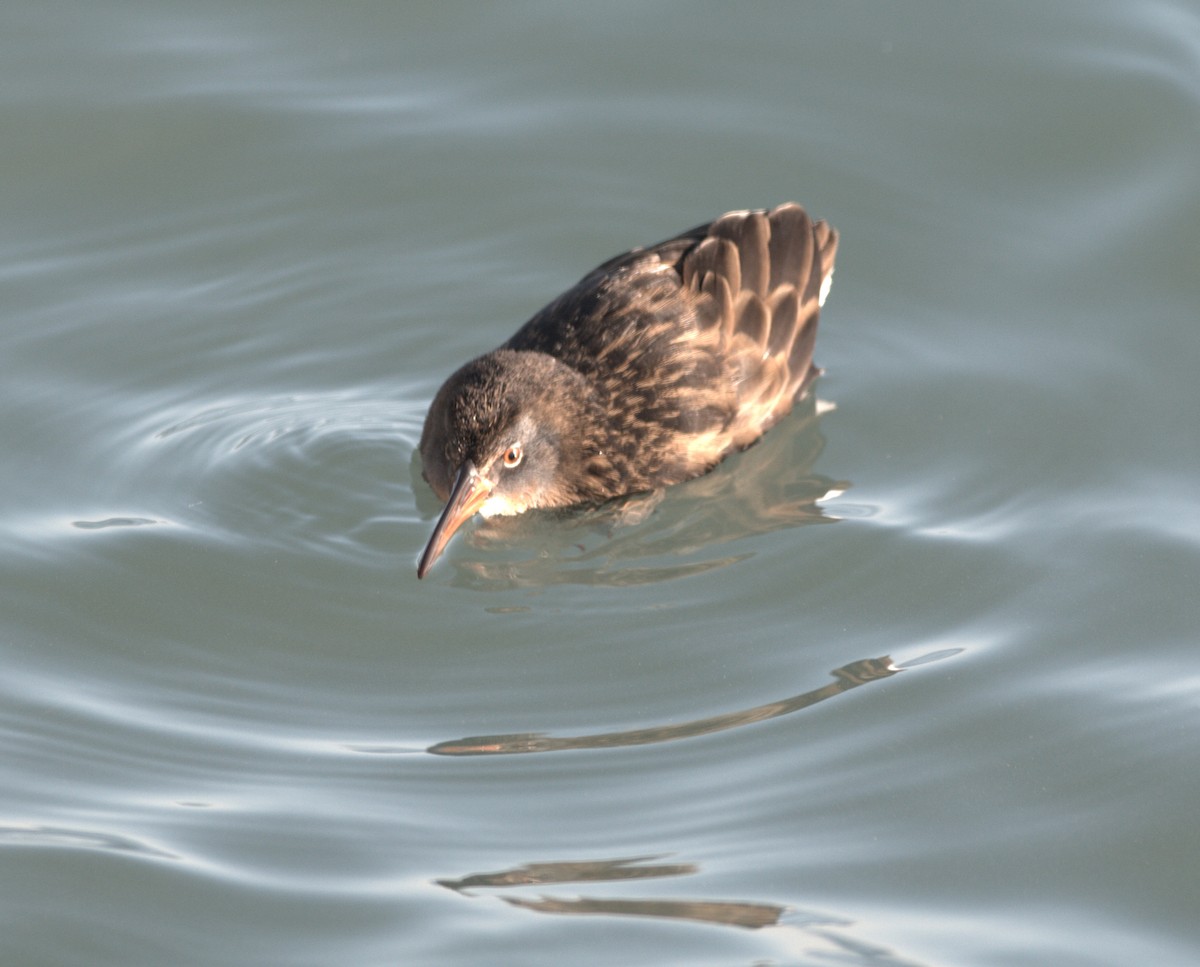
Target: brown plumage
point(651, 370)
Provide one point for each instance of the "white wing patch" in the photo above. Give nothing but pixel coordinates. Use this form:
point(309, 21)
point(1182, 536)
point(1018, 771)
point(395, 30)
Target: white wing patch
point(826, 285)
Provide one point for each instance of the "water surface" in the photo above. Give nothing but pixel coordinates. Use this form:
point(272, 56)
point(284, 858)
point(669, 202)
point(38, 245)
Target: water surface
point(953, 724)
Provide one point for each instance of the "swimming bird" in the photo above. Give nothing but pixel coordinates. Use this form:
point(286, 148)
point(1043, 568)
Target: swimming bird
point(650, 371)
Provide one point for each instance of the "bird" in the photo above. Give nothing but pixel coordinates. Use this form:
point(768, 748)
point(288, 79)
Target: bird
point(651, 370)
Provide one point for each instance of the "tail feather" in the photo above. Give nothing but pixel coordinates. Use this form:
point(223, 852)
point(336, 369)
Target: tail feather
point(749, 232)
point(791, 245)
point(766, 274)
point(753, 320)
point(784, 307)
point(717, 288)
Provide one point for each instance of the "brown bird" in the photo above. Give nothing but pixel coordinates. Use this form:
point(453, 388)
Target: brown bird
point(651, 370)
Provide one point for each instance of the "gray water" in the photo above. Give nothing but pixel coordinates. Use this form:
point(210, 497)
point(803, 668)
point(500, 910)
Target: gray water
point(240, 247)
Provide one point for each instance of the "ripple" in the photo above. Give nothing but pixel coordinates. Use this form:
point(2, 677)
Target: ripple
point(67, 837)
point(298, 471)
point(228, 427)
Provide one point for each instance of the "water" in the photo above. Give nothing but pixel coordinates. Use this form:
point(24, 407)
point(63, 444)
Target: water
point(954, 724)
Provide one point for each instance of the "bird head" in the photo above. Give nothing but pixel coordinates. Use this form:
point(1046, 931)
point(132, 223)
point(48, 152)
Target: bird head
point(500, 438)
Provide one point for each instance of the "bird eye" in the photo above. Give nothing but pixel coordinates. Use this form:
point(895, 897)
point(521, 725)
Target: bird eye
point(513, 456)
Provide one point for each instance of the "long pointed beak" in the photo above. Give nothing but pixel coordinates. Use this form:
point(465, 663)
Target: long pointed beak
point(467, 495)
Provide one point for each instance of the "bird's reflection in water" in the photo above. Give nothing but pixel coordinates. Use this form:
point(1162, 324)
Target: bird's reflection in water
point(845, 678)
point(808, 928)
point(664, 535)
point(811, 936)
point(584, 871)
point(750, 915)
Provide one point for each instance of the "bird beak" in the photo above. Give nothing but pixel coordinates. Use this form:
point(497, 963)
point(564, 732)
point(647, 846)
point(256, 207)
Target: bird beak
point(468, 494)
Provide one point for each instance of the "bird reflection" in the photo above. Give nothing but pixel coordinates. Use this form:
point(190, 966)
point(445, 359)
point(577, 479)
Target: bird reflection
point(629, 868)
point(750, 915)
point(539, 874)
point(820, 935)
point(845, 678)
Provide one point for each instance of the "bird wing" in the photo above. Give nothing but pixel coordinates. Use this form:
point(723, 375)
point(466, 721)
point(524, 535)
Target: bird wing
point(698, 344)
point(768, 273)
